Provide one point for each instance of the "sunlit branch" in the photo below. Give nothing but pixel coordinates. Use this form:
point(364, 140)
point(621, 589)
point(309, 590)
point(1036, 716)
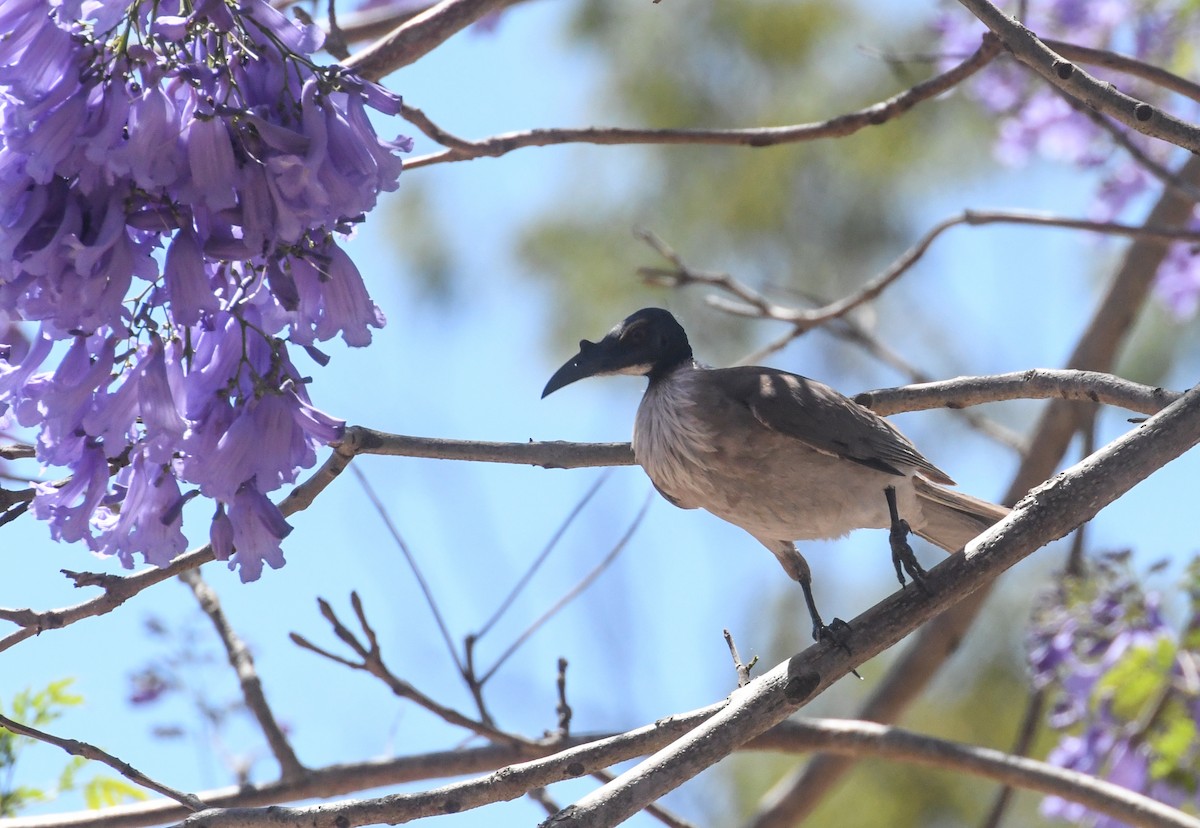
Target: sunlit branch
point(840, 126)
point(1049, 512)
point(1037, 384)
point(1096, 350)
point(419, 35)
point(1062, 73)
point(88, 751)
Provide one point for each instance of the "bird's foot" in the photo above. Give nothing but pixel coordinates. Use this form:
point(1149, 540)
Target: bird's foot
point(903, 557)
point(836, 633)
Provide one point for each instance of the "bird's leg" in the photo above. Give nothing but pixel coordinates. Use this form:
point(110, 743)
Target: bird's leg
point(796, 567)
point(902, 553)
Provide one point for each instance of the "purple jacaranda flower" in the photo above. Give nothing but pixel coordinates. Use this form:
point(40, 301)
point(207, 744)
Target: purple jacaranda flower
point(214, 171)
point(302, 39)
point(1178, 283)
point(65, 395)
point(15, 372)
point(273, 437)
point(201, 130)
point(258, 529)
point(333, 299)
point(151, 157)
point(220, 534)
point(1104, 630)
point(69, 507)
point(149, 521)
point(189, 279)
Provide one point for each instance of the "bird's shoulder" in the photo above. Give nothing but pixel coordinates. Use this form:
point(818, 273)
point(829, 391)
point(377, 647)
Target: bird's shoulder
point(810, 411)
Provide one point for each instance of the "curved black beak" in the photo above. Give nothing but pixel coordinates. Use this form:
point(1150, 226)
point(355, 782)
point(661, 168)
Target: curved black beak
point(587, 363)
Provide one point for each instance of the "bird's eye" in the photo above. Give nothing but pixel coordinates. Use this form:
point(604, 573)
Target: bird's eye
point(635, 335)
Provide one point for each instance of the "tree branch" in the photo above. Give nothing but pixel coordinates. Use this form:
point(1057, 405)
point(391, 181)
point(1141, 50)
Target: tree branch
point(88, 751)
point(1096, 350)
point(1100, 96)
point(1047, 513)
point(420, 35)
point(1038, 384)
point(242, 663)
point(870, 739)
point(842, 125)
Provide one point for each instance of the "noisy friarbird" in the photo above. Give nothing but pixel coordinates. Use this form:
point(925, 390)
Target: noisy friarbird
point(782, 456)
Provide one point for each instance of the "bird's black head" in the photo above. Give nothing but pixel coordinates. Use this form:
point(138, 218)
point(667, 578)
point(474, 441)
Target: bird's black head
point(649, 343)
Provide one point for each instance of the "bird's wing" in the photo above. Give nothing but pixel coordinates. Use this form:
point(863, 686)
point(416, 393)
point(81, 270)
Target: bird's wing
point(821, 418)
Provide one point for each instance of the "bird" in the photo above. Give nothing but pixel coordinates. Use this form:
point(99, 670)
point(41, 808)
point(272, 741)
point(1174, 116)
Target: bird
point(782, 456)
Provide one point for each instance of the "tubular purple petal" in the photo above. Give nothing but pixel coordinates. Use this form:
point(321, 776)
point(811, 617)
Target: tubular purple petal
point(214, 171)
point(188, 280)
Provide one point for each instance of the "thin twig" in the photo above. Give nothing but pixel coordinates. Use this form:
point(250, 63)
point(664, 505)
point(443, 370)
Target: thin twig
point(415, 568)
point(575, 591)
point(243, 665)
point(839, 126)
point(89, 751)
point(372, 663)
point(757, 306)
point(743, 670)
point(532, 569)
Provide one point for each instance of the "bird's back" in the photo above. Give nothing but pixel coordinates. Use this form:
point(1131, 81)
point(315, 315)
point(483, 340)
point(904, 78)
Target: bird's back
point(751, 446)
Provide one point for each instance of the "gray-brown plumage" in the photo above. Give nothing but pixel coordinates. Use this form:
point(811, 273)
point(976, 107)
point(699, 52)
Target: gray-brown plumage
point(782, 456)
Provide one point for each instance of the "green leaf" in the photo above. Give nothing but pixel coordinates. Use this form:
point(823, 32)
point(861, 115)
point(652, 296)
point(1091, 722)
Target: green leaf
point(1138, 680)
point(1172, 742)
point(66, 779)
point(106, 791)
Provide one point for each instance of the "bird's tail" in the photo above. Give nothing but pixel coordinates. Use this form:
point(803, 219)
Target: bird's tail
point(953, 519)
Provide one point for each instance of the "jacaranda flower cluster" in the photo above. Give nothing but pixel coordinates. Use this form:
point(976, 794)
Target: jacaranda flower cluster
point(173, 176)
point(1037, 121)
point(1124, 687)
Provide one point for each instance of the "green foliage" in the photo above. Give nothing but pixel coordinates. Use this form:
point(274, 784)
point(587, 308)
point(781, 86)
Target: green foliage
point(1135, 684)
point(37, 709)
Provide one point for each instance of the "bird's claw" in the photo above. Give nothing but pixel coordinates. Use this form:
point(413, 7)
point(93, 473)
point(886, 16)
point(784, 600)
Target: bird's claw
point(836, 633)
point(905, 560)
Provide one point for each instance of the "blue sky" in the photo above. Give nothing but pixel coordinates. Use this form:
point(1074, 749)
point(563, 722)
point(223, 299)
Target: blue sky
point(646, 640)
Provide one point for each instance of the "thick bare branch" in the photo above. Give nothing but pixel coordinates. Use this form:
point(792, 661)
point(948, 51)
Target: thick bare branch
point(1130, 66)
point(1065, 75)
point(1047, 513)
point(1096, 350)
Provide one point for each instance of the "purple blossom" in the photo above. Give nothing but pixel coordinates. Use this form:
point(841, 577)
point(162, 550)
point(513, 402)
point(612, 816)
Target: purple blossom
point(1089, 639)
point(258, 528)
point(1035, 122)
point(150, 522)
point(209, 135)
